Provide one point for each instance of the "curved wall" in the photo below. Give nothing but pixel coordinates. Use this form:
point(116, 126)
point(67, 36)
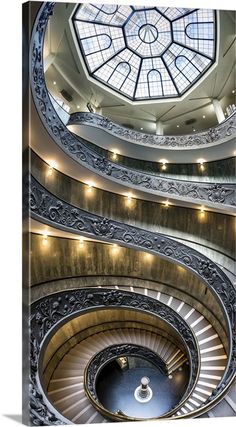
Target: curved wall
point(215, 171)
point(212, 231)
point(63, 264)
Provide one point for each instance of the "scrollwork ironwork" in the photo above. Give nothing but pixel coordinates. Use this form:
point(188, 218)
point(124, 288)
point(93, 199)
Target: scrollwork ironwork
point(47, 313)
point(79, 151)
point(42, 204)
point(100, 360)
point(222, 131)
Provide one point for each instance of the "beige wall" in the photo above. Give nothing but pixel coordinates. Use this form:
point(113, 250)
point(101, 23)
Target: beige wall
point(64, 264)
point(213, 230)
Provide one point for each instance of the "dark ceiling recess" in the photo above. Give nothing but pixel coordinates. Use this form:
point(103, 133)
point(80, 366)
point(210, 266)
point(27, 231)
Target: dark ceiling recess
point(190, 122)
point(66, 95)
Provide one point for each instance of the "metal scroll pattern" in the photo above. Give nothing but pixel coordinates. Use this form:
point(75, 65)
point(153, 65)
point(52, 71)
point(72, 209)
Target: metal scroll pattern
point(49, 311)
point(49, 209)
point(77, 148)
point(223, 131)
point(46, 207)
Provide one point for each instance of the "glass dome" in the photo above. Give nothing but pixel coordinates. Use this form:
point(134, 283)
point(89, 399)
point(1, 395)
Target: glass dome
point(146, 52)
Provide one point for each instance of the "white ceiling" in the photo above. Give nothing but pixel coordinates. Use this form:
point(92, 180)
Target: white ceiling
point(63, 66)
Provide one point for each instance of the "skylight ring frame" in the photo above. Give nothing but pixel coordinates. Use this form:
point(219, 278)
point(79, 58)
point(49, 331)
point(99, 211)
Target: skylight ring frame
point(168, 93)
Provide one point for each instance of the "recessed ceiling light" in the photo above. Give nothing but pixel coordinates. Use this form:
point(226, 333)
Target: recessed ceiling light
point(54, 82)
point(77, 106)
point(194, 130)
point(141, 128)
point(177, 126)
point(233, 91)
point(203, 117)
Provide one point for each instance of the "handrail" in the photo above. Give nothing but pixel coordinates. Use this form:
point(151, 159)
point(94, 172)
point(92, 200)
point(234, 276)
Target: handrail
point(50, 312)
point(214, 194)
point(55, 212)
point(218, 133)
point(101, 359)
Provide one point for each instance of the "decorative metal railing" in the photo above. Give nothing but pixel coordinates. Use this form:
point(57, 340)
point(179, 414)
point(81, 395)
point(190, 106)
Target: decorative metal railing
point(50, 210)
point(218, 134)
point(220, 195)
point(100, 360)
point(54, 310)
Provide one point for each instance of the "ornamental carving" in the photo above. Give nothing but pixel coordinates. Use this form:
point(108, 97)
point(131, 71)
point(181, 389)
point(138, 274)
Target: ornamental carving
point(48, 209)
point(47, 313)
point(78, 149)
point(221, 132)
point(65, 216)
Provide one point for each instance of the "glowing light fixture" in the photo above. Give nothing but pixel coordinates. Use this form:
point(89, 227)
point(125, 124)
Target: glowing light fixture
point(115, 154)
point(45, 239)
point(90, 186)
point(164, 162)
point(51, 165)
point(115, 249)
point(201, 164)
point(166, 203)
point(81, 242)
point(54, 82)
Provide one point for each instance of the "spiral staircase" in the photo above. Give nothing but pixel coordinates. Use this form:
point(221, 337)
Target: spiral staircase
point(67, 381)
point(76, 324)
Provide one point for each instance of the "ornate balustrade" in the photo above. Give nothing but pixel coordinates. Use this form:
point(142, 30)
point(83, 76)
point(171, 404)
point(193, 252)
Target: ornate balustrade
point(219, 195)
point(50, 210)
point(100, 360)
point(219, 133)
point(49, 313)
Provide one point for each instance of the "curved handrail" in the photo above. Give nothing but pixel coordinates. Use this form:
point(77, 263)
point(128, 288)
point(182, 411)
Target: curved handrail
point(212, 194)
point(101, 359)
point(50, 312)
point(52, 211)
point(216, 134)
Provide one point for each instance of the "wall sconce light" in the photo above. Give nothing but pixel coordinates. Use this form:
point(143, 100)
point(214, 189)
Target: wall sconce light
point(148, 257)
point(45, 239)
point(50, 170)
point(51, 167)
point(163, 162)
point(166, 203)
point(81, 242)
point(202, 213)
point(90, 187)
point(115, 249)
point(201, 164)
point(129, 199)
point(115, 154)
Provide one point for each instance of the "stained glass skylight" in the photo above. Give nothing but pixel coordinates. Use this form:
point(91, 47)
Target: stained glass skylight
point(146, 52)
